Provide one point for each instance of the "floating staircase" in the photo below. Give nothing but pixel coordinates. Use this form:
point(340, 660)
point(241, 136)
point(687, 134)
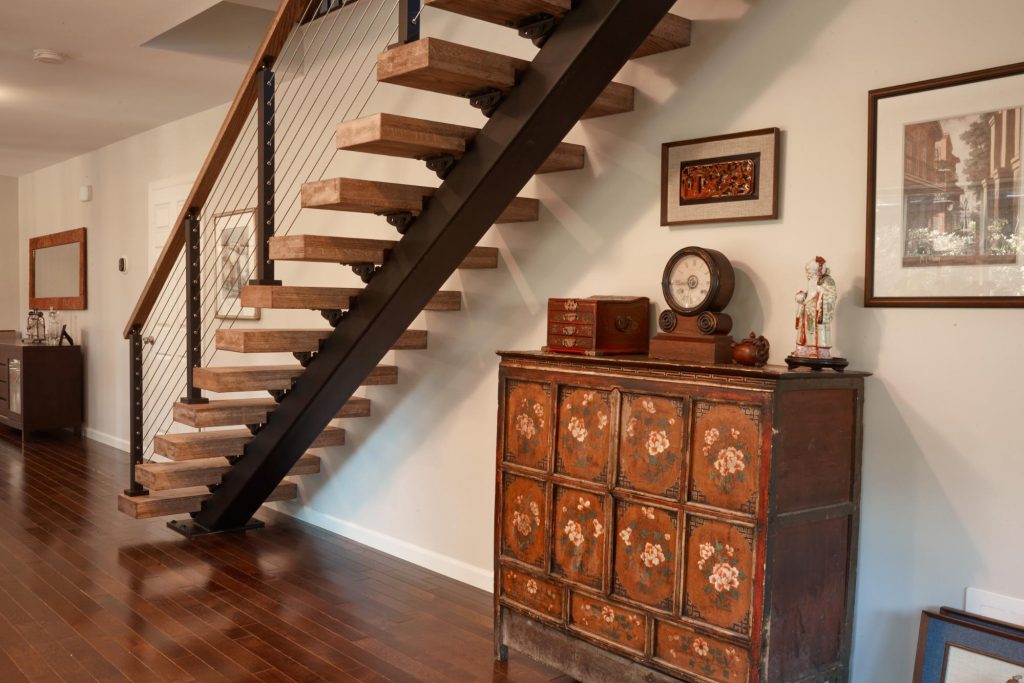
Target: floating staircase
point(532, 106)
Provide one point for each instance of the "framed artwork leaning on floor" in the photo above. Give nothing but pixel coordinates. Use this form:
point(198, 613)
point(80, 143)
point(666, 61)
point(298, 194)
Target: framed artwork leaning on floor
point(958, 647)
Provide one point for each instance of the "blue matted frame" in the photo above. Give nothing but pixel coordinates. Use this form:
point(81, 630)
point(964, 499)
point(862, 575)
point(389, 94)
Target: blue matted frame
point(953, 627)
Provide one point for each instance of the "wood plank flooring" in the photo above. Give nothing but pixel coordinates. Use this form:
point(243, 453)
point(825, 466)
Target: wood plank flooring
point(87, 594)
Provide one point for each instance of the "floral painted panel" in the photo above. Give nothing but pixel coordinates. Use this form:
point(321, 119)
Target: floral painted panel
point(528, 423)
point(581, 539)
point(726, 463)
point(651, 444)
point(531, 592)
point(693, 652)
point(645, 554)
point(613, 623)
point(523, 520)
point(719, 573)
point(584, 434)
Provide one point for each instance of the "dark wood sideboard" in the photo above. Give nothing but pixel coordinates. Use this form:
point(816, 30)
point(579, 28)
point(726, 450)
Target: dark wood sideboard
point(40, 386)
point(661, 520)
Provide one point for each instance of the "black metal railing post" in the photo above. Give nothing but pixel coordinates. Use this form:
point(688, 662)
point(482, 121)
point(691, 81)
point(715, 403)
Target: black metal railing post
point(409, 21)
point(265, 176)
point(135, 410)
point(193, 307)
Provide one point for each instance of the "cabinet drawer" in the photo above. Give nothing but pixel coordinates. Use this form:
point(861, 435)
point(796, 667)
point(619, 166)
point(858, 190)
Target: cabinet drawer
point(695, 653)
point(609, 622)
point(4, 390)
point(3, 371)
point(568, 329)
point(535, 594)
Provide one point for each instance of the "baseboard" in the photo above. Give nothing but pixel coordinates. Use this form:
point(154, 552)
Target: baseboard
point(428, 559)
point(106, 439)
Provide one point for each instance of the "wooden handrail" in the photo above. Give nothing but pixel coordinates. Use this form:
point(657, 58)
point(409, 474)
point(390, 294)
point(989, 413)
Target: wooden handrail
point(289, 13)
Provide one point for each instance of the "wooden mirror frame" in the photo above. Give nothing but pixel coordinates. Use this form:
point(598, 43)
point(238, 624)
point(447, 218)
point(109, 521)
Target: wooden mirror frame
point(62, 303)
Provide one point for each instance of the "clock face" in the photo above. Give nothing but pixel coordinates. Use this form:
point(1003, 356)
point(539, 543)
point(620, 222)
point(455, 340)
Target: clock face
point(697, 280)
point(690, 282)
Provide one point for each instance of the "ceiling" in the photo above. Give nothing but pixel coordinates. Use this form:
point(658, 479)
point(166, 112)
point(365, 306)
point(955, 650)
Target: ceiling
point(111, 86)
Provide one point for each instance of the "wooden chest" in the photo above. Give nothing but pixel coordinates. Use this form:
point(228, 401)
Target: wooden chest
point(657, 520)
point(599, 325)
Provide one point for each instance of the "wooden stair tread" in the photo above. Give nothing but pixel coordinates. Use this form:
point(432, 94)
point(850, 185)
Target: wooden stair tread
point(248, 411)
point(185, 501)
point(452, 69)
point(671, 34)
point(409, 138)
point(271, 377)
point(224, 443)
point(263, 340)
point(350, 250)
point(505, 12)
point(371, 196)
point(326, 298)
point(162, 476)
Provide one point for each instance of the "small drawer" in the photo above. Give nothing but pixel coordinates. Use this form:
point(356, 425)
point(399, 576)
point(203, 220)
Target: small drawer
point(612, 623)
point(561, 343)
point(695, 653)
point(537, 595)
point(585, 318)
point(571, 329)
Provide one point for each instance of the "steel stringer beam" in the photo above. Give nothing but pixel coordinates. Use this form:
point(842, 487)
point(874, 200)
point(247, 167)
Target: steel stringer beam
point(580, 59)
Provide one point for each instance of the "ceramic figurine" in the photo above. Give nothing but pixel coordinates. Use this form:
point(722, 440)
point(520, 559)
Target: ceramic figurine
point(815, 318)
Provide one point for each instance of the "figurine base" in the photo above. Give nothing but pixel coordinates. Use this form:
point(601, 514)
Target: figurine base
point(817, 364)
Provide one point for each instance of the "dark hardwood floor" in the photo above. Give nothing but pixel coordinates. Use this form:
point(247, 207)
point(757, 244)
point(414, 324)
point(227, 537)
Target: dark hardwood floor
point(89, 594)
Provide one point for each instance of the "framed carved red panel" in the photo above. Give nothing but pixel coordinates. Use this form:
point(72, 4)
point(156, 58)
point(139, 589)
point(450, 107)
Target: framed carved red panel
point(528, 424)
point(719, 573)
point(725, 466)
point(524, 519)
point(646, 538)
point(652, 444)
point(533, 593)
point(693, 652)
point(609, 622)
point(581, 536)
point(584, 433)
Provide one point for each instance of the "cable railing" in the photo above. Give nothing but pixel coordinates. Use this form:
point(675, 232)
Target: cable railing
point(315, 69)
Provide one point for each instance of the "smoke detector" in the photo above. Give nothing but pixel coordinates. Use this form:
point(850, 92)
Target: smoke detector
point(45, 56)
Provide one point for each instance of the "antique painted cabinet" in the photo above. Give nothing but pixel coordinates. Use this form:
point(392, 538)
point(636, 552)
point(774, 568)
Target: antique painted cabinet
point(657, 520)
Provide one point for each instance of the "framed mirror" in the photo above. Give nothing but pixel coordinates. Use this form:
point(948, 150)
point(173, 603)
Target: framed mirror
point(57, 271)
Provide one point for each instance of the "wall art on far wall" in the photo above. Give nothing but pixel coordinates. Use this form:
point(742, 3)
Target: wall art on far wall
point(235, 232)
point(944, 192)
point(958, 647)
point(721, 179)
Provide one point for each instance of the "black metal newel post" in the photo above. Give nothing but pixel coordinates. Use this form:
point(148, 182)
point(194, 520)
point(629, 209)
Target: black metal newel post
point(409, 21)
point(193, 307)
point(135, 410)
point(265, 176)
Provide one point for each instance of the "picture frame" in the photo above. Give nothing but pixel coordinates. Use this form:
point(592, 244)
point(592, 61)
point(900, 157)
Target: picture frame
point(724, 178)
point(957, 647)
point(944, 210)
point(235, 254)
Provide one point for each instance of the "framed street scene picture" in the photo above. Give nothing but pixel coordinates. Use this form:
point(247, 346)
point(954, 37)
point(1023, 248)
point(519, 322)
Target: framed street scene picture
point(721, 179)
point(944, 192)
point(957, 647)
point(236, 261)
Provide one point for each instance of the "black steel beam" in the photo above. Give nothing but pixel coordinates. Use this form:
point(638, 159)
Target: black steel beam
point(576, 64)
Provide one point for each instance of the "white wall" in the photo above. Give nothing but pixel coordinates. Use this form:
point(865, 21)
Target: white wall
point(942, 468)
point(9, 251)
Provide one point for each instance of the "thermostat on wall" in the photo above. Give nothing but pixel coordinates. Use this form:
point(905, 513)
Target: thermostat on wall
point(85, 193)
